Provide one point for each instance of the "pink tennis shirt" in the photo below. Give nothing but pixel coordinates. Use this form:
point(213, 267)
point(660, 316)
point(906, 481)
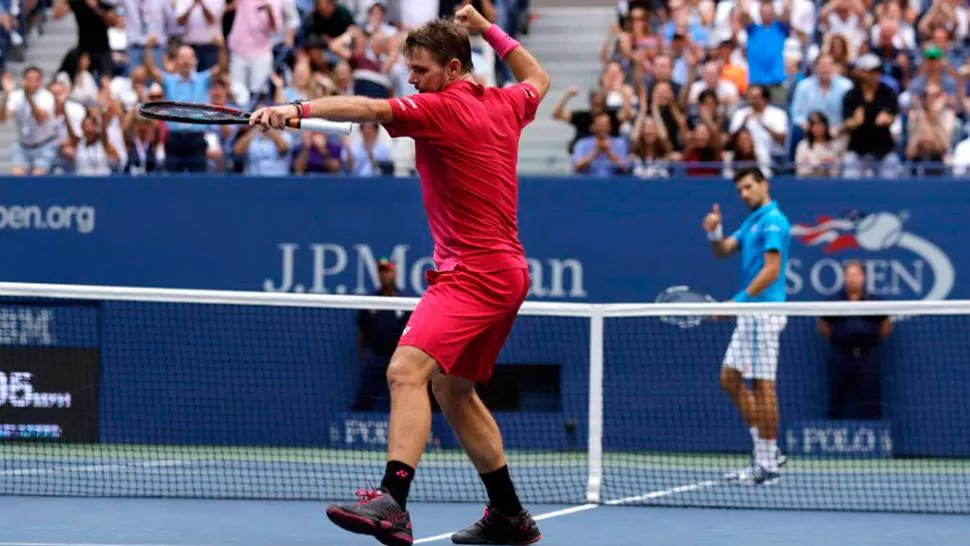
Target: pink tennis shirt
point(467, 147)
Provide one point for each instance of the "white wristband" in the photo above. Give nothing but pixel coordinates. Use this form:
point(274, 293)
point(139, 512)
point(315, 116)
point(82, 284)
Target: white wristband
point(716, 235)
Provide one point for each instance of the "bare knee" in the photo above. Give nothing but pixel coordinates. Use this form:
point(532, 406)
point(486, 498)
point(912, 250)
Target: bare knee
point(763, 389)
point(731, 381)
point(452, 392)
point(410, 368)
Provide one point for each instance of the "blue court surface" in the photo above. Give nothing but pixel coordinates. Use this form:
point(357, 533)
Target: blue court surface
point(181, 496)
point(47, 521)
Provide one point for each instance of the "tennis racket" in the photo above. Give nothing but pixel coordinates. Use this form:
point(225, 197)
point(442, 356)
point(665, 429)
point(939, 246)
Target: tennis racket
point(209, 114)
point(684, 294)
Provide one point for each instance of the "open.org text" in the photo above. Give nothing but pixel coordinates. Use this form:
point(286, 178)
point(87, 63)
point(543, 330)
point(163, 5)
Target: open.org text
point(55, 217)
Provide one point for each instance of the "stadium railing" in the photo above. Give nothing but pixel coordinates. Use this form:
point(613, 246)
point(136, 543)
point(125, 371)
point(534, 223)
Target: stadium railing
point(929, 169)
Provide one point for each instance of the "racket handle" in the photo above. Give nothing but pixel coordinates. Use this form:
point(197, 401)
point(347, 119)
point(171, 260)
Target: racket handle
point(338, 128)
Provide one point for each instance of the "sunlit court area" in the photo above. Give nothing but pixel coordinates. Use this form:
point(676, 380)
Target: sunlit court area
point(702, 261)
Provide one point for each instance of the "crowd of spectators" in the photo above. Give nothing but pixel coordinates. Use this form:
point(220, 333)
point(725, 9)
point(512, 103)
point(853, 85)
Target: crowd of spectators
point(814, 88)
point(240, 53)
point(688, 87)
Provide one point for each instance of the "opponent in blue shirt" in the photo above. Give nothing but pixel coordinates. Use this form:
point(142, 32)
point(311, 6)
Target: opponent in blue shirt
point(763, 241)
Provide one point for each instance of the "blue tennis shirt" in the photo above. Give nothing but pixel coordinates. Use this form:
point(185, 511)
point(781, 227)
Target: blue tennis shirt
point(193, 89)
point(765, 229)
point(766, 57)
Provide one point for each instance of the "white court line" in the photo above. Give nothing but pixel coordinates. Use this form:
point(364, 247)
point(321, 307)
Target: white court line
point(585, 507)
point(89, 468)
point(663, 493)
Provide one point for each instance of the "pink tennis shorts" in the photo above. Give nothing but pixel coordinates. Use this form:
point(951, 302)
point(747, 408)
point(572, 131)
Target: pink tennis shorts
point(464, 318)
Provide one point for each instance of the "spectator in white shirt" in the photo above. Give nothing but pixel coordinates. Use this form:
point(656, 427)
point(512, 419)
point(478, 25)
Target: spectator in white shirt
point(32, 107)
point(201, 21)
point(368, 155)
point(414, 13)
point(891, 14)
point(846, 18)
point(930, 127)
point(818, 154)
point(67, 111)
point(961, 157)
point(146, 153)
point(144, 18)
point(132, 89)
point(77, 68)
point(727, 93)
point(768, 124)
point(92, 152)
point(69, 115)
point(375, 21)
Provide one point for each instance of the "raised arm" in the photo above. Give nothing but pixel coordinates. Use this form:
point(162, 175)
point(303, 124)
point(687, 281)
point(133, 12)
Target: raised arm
point(786, 12)
point(722, 247)
point(153, 71)
point(523, 65)
point(222, 66)
point(744, 11)
point(559, 112)
point(182, 18)
point(8, 87)
point(360, 109)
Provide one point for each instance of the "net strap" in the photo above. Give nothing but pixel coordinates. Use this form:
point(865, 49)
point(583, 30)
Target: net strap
point(533, 308)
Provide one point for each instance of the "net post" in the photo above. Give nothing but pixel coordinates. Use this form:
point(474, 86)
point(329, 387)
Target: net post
point(595, 447)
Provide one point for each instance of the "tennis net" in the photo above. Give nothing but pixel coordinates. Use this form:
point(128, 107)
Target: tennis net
point(116, 391)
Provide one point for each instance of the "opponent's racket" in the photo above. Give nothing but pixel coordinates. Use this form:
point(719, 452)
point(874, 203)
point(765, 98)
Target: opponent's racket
point(684, 294)
point(209, 114)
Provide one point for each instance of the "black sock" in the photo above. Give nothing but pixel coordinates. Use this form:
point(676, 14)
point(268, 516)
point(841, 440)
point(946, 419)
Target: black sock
point(501, 492)
point(397, 481)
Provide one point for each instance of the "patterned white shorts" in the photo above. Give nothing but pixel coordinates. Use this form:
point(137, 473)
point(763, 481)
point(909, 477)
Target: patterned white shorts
point(753, 350)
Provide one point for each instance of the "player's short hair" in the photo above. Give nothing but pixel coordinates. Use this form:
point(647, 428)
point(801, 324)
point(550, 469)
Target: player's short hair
point(753, 172)
point(445, 40)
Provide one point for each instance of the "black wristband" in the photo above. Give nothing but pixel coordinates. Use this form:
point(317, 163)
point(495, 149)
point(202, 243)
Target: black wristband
point(299, 108)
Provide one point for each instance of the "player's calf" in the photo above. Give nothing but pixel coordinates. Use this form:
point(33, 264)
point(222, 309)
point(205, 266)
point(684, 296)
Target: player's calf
point(410, 420)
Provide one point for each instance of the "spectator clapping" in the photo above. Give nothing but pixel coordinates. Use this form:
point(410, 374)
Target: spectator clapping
point(782, 75)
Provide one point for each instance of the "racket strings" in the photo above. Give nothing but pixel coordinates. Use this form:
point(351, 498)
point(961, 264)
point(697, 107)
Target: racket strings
point(189, 112)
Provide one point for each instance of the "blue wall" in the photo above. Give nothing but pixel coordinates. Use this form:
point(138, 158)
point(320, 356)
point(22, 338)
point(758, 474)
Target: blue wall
point(204, 374)
point(629, 238)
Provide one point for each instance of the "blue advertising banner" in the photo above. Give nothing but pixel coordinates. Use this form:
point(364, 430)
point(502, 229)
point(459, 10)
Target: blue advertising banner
point(272, 376)
point(858, 439)
point(587, 239)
